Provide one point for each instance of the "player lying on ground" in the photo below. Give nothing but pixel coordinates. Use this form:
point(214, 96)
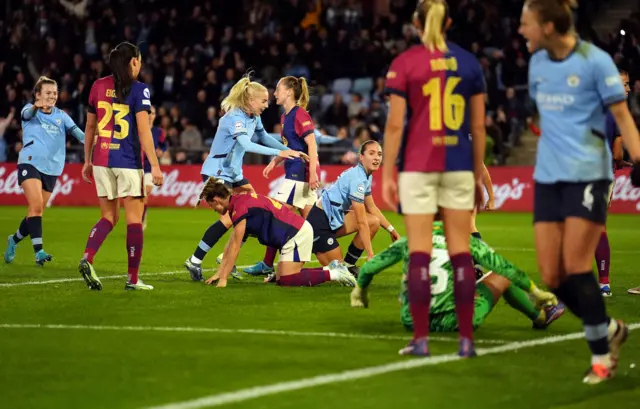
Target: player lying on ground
point(505, 281)
point(274, 225)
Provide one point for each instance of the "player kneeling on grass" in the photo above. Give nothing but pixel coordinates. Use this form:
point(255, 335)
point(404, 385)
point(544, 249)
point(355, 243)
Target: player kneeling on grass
point(274, 225)
point(505, 281)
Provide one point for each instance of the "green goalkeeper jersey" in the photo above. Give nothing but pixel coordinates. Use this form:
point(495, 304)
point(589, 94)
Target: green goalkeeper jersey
point(440, 268)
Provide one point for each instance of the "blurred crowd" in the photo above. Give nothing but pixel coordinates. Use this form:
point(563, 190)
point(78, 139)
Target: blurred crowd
point(194, 51)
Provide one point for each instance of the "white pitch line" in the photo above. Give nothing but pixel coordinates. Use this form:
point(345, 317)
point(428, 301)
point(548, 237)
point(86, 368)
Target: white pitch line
point(351, 375)
point(235, 331)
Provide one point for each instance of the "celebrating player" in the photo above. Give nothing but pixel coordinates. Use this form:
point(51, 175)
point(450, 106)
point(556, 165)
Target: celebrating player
point(505, 281)
point(160, 146)
point(119, 108)
point(347, 207)
point(440, 167)
point(274, 225)
point(41, 161)
point(243, 106)
point(298, 190)
point(572, 81)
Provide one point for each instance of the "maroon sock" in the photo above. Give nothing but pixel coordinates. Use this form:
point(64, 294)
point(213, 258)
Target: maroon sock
point(307, 277)
point(134, 250)
point(603, 258)
point(419, 284)
point(97, 236)
point(270, 256)
point(464, 289)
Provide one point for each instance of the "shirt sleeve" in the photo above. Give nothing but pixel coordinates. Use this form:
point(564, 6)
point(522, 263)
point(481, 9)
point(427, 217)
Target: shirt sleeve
point(607, 78)
point(396, 82)
point(249, 146)
point(26, 114)
point(303, 123)
point(71, 128)
point(142, 99)
point(357, 190)
point(238, 127)
point(91, 106)
point(478, 84)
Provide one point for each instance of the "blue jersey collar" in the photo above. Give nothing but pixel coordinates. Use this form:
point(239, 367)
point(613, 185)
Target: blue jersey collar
point(363, 170)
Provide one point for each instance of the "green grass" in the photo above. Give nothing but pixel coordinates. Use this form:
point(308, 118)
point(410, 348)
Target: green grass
point(118, 368)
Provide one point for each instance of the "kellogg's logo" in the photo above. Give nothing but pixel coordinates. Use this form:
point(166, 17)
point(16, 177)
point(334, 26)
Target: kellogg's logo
point(625, 192)
point(183, 191)
point(509, 191)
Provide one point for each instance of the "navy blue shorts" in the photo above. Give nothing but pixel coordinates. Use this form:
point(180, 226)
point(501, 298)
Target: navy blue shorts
point(232, 185)
point(26, 171)
point(554, 202)
point(324, 237)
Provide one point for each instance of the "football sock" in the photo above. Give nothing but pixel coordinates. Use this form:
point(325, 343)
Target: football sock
point(134, 250)
point(566, 294)
point(477, 235)
point(464, 289)
point(353, 254)
point(594, 315)
point(419, 283)
point(96, 237)
point(22, 232)
point(270, 256)
point(603, 258)
point(520, 301)
point(210, 238)
point(34, 225)
point(307, 277)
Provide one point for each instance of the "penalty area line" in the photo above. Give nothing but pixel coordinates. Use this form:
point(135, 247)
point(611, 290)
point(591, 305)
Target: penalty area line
point(247, 331)
point(242, 395)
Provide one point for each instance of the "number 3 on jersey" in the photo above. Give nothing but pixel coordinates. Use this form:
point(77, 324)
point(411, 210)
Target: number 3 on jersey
point(118, 112)
point(439, 257)
point(452, 104)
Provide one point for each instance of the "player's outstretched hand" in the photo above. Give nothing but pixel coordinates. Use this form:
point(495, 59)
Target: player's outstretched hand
point(156, 174)
point(635, 174)
point(268, 169)
point(87, 172)
point(212, 279)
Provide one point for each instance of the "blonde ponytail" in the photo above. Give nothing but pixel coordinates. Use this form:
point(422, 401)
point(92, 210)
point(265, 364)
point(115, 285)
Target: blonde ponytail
point(303, 99)
point(433, 36)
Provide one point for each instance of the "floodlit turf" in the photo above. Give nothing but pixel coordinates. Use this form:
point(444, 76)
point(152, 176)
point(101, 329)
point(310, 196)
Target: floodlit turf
point(203, 342)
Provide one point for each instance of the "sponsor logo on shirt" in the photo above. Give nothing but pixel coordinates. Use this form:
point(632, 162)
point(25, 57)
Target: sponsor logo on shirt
point(146, 93)
point(306, 123)
point(238, 126)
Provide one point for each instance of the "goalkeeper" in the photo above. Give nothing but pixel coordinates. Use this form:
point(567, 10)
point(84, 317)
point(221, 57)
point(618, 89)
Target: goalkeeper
point(505, 280)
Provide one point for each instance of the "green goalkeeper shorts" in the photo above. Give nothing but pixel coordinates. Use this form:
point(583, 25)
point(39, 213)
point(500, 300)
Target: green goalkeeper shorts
point(448, 322)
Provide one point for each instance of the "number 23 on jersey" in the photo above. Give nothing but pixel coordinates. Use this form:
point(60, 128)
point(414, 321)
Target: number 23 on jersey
point(117, 112)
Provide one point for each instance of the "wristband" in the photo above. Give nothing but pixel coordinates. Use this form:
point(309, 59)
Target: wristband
point(390, 229)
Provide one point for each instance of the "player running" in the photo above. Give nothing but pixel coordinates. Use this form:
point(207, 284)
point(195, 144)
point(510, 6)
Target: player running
point(298, 190)
point(274, 225)
point(505, 281)
point(243, 106)
point(41, 161)
point(573, 83)
point(347, 207)
point(160, 146)
point(440, 167)
point(119, 107)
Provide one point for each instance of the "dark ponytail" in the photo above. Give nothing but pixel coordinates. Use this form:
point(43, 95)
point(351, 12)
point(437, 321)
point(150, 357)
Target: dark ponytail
point(119, 60)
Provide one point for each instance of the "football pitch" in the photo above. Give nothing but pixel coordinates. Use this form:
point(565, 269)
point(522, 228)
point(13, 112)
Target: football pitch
point(253, 345)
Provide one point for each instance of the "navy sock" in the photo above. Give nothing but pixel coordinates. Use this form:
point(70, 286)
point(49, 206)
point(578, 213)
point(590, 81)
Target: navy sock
point(594, 314)
point(210, 238)
point(477, 235)
point(23, 231)
point(353, 254)
point(35, 231)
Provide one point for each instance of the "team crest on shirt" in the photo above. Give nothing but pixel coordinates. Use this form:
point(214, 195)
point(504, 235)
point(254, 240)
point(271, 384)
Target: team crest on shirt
point(573, 80)
point(285, 141)
point(104, 145)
